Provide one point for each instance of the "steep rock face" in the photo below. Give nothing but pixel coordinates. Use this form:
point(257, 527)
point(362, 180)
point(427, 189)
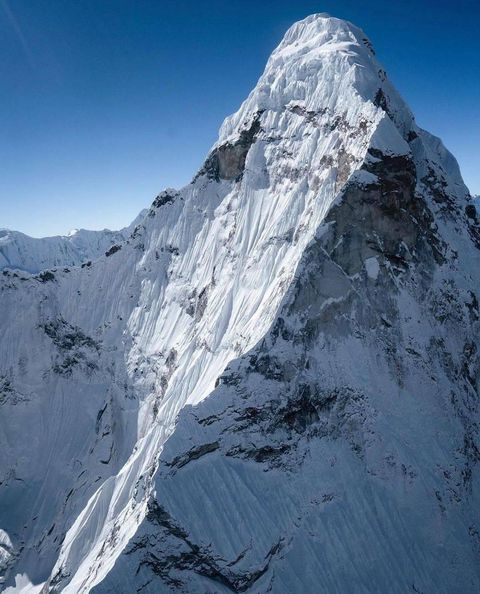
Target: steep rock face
point(317, 282)
point(346, 441)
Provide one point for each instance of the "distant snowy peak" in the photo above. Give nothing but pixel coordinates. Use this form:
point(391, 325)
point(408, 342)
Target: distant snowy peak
point(30, 254)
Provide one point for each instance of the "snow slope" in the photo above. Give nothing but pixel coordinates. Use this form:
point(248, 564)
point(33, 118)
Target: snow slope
point(21, 252)
point(317, 282)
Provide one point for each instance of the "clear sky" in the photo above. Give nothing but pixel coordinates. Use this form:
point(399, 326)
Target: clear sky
point(103, 103)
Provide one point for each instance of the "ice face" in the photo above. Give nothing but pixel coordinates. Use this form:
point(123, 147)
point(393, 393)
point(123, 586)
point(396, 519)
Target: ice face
point(315, 207)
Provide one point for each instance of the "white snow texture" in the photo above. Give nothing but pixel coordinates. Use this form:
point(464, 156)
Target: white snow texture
point(270, 384)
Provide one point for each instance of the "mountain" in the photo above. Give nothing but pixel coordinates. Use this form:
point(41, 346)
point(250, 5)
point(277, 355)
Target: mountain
point(272, 385)
point(21, 252)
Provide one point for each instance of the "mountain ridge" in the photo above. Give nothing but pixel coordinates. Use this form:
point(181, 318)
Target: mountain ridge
point(324, 228)
point(19, 251)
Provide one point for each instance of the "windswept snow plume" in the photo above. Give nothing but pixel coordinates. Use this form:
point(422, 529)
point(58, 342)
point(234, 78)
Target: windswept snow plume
point(272, 384)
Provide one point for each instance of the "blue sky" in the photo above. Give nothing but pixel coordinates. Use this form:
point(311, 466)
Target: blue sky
point(105, 102)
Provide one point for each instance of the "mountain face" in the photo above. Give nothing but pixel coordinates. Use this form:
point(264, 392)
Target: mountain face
point(21, 252)
point(272, 385)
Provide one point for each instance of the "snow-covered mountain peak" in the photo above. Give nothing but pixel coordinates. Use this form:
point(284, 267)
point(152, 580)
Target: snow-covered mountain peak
point(323, 64)
point(312, 295)
point(321, 30)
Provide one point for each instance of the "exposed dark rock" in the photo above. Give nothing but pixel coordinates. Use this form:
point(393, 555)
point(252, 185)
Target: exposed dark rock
point(99, 418)
point(194, 454)
point(411, 136)
point(306, 408)
point(310, 116)
point(228, 379)
point(45, 277)
point(280, 329)
point(368, 43)
point(381, 101)
point(267, 366)
point(473, 223)
point(345, 161)
point(261, 454)
point(198, 303)
point(186, 555)
point(471, 212)
point(163, 198)
point(472, 306)
point(436, 186)
point(390, 219)
point(227, 161)
point(66, 337)
point(8, 393)
point(113, 250)
point(171, 250)
point(75, 348)
point(6, 389)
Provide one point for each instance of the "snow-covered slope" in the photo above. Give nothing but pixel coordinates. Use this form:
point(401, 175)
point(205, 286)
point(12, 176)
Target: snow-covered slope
point(21, 252)
point(312, 295)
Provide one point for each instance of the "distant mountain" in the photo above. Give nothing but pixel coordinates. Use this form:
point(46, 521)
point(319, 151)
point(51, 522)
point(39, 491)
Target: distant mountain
point(272, 386)
point(21, 252)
